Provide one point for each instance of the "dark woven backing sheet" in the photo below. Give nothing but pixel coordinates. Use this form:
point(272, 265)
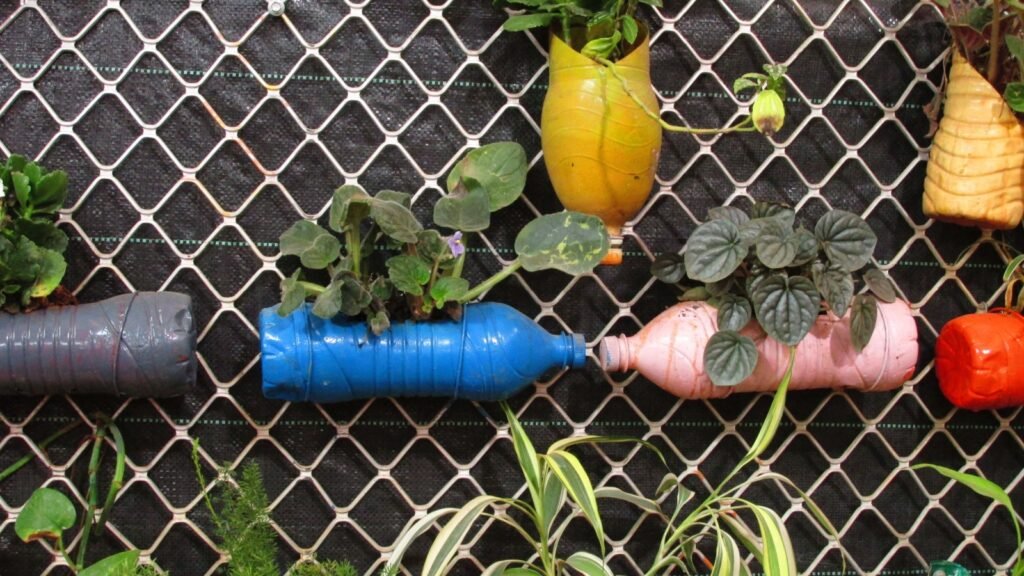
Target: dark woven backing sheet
point(195, 133)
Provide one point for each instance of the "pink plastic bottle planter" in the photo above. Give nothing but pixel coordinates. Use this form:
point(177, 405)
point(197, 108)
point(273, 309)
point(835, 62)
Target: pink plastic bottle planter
point(670, 352)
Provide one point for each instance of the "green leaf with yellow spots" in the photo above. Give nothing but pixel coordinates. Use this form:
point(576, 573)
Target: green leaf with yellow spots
point(568, 241)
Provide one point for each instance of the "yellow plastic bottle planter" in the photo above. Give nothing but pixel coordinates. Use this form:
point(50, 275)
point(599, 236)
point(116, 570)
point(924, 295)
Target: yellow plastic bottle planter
point(976, 163)
point(600, 147)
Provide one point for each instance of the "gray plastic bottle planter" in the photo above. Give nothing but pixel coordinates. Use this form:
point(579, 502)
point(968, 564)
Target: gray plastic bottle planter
point(140, 345)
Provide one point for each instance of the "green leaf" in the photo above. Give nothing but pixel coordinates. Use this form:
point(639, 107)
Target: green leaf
point(552, 499)
point(847, 239)
point(114, 565)
point(314, 246)
point(413, 531)
point(431, 245)
point(776, 246)
point(22, 188)
point(630, 29)
point(714, 251)
point(379, 322)
point(727, 556)
point(403, 198)
point(50, 192)
point(349, 205)
point(292, 294)
point(730, 213)
point(729, 358)
point(696, 294)
point(601, 47)
point(447, 543)
point(522, 22)
point(381, 288)
point(880, 285)
point(47, 514)
point(395, 220)
point(786, 307)
point(977, 18)
point(448, 289)
point(469, 213)
point(500, 169)
point(669, 268)
point(526, 456)
point(1014, 96)
point(744, 83)
point(734, 312)
point(33, 172)
point(43, 232)
point(862, 320)
point(645, 504)
point(51, 272)
point(776, 210)
point(408, 273)
point(779, 559)
point(570, 472)
point(1015, 45)
point(588, 564)
point(568, 241)
point(806, 247)
point(835, 285)
point(1012, 267)
point(328, 303)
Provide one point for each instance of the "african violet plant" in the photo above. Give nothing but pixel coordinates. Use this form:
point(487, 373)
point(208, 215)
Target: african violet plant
point(764, 267)
point(31, 246)
point(387, 266)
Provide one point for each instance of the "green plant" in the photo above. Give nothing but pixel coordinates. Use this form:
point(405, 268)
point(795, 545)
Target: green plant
point(558, 476)
point(328, 568)
point(988, 489)
point(764, 267)
point(48, 512)
point(31, 246)
point(992, 45)
point(386, 264)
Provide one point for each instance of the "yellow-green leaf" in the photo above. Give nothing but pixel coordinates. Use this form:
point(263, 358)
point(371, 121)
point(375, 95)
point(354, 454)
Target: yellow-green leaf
point(570, 472)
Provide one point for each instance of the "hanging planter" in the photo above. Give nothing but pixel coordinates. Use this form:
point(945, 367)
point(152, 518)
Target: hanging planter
point(600, 124)
point(975, 174)
point(400, 322)
point(775, 304)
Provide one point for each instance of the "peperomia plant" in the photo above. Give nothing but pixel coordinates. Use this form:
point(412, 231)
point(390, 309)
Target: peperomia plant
point(378, 261)
point(31, 246)
point(763, 267)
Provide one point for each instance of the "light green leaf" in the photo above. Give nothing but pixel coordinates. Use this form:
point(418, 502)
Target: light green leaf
point(771, 420)
point(51, 271)
point(571, 441)
point(645, 504)
point(447, 543)
point(328, 303)
point(47, 514)
point(630, 29)
point(314, 246)
point(786, 307)
point(568, 241)
point(588, 564)
point(469, 213)
point(22, 189)
point(846, 238)
point(504, 567)
point(522, 22)
point(695, 294)
point(395, 220)
point(812, 506)
point(349, 205)
point(1013, 94)
point(292, 294)
point(115, 565)
point(779, 559)
point(408, 273)
point(1012, 267)
point(570, 472)
point(499, 168)
point(714, 251)
point(448, 289)
point(880, 285)
point(413, 531)
point(734, 312)
point(526, 455)
point(553, 499)
point(403, 198)
point(729, 358)
point(864, 313)
point(727, 556)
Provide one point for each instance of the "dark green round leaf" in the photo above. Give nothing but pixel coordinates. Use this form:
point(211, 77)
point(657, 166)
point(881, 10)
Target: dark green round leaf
point(349, 205)
point(880, 285)
point(756, 274)
point(408, 273)
point(355, 298)
point(47, 514)
point(568, 241)
point(292, 294)
point(846, 238)
point(49, 191)
point(729, 358)
point(780, 212)
point(315, 246)
point(395, 220)
point(714, 251)
point(669, 268)
point(500, 168)
point(835, 285)
point(403, 198)
point(806, 247)
point(730, 213)
point(328, 303)
point(734, 312)
point(862, 320)
point(786, 307)
point(431, 245)
point(469, 213)
point(776, 247)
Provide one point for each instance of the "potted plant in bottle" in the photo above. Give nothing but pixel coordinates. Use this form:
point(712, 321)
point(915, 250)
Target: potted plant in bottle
point(767, 290)
point(975, 170)
point(140, 344)
point(600, 127)
point(391, 312)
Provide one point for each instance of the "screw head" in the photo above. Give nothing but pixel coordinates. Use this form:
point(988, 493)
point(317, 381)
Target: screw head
point(275, 7)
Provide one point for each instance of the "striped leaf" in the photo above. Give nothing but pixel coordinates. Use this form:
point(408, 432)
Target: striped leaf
point(447, 543)
point(645, 504)
point(771, 421)
point(727, 556)
point(414, 531)
point(554, 499)
point(564, 443)
point(588, 564)
point(527, 456)
point(508, 568)
point(779, 559)
point(572, 475)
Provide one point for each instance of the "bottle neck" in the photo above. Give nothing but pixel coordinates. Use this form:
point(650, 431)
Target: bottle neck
point(614, 354)
point(571, 350)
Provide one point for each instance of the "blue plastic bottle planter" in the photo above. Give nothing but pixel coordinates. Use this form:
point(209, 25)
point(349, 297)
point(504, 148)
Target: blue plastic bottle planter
point(491, 354)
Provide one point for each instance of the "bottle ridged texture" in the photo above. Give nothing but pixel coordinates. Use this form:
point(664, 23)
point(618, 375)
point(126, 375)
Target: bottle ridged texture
point(600, 148)
point(976, 164)
point(978, 360)
point(669, 351)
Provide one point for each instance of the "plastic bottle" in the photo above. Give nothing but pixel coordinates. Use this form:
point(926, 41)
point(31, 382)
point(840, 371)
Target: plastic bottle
point(978, 360)
point(670, 352)
point(490, 354)
point(141, 345)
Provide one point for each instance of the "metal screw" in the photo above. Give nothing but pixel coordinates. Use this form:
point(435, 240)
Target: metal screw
point(275, 7)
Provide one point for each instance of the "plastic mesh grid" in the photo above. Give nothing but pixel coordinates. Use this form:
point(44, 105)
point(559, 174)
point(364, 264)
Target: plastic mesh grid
point(195, 132)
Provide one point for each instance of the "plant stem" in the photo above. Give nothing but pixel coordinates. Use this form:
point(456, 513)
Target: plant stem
point(202, 483)
point(993, 43)
point(92, 495)
point(63, 552)
point(354, 243)
point(491, 282)
point(42, 446)
point(745, 125)
point(311, 288)
point(118, 480)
